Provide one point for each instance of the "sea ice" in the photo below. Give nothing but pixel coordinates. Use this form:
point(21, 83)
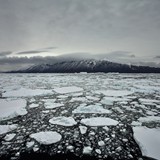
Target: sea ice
point(111, 100)
point(49, 105)
point(114, 93)
point(149, 119)
point(87, 150)
point(25, 92)
point(63, 121)
point(64, 90)
point(81, 99)
point(33, 105)
point(99, 121)
point(91, 109)
point(92, 98)
point(83, 129)
point(149, 141)
point(9, 137)
point(30, 144)
point(47, 137)
point(7, 128)
point(101, 143)
point(10, 108)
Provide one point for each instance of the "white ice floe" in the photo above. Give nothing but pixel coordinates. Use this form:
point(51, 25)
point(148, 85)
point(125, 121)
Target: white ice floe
point(148, 140)
point(33, 105)
point(81, 99)
point(151, 113)
point(87, 150)
point(53, 105)
point(64, 90)
point(101, 143)
point(50, 104)
point(63, 121)
point(30, 144)
point(135, 123)
point(91, 109)
point(77, 94)
point(92, 98)
point(149, 119)
point(99, 121)
point(157, 106)
point(106, 128)
point(114, 93)
point(62, 96)
point(151, 102)
point(83, 129)
point(47, 137)
point(25, 92)
point(7, 128)
point(98, 151)
point(46, 111)
point(10, 108)
point(111, 100)
point(9, 137)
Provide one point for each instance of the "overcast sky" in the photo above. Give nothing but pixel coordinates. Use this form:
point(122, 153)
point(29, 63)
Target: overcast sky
point(56, 27)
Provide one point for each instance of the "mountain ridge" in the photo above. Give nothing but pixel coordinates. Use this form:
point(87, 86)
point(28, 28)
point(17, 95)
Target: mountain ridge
point(90, 66)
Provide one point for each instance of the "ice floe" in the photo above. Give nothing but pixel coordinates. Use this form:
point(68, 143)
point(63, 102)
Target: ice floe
point(10, 108)
point(91, 109)
point(115, 93)
point(30, 144)
point(7, 128)
point(148, 140)
point(49, 105)
point(83, 129)
point(47, 137)
point(64, 90)
point(99, 121)
point(63, 121)
point(149, 119)
point(9, 137)
point(111, 100)
point(33, 105)
point(92, 98)
point(25, 92)
point(87, 150)
point(101, 143)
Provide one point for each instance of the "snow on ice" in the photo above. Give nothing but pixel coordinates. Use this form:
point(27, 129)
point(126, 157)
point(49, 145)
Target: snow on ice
point(148, 140)
point(64, 90)
point(47, 137)
point(63, 121)
point(99, 121)
point(10, 108)
point(90, 109)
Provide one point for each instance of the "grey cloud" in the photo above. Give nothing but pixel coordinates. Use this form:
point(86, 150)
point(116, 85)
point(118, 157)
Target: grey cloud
point(29, 52)
point(157, 57)
point(89, 25)
point(26, 60)
point(42, 50)
point(50, 48)
point(5, 53)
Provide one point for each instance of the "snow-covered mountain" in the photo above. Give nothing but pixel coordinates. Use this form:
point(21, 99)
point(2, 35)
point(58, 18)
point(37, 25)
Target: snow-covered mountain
point(89, 66)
